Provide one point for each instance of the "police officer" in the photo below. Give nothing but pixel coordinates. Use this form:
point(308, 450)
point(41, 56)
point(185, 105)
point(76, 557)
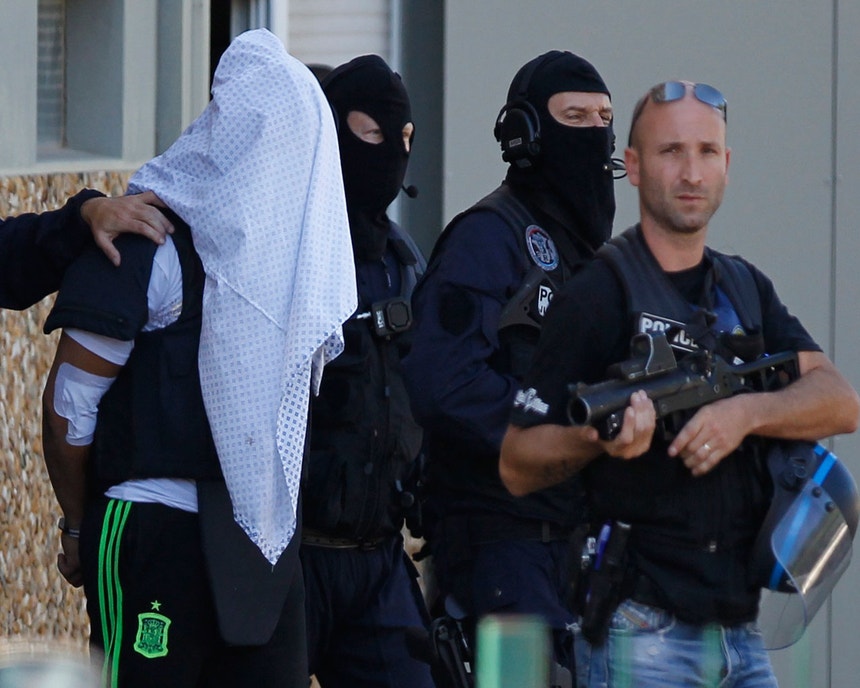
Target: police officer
point(36, 248)
point(361, 586)
point(478, 314)
point(696, 502)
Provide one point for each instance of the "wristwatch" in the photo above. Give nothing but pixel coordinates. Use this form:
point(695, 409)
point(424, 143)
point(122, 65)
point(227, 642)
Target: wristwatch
point(66, 530)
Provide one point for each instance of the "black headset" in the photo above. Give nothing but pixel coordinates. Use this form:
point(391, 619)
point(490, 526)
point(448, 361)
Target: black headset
point(517, 126)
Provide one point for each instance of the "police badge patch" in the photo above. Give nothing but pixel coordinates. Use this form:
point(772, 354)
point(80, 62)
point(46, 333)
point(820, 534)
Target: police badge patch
point(528, 400)
point(541, 248)
point(151, 640)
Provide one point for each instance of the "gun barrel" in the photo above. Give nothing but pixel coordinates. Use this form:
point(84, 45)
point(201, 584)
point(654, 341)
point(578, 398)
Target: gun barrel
point(590, 404)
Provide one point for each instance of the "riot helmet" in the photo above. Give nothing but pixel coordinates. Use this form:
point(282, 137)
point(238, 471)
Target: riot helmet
point(373, 173)
point(805, 542)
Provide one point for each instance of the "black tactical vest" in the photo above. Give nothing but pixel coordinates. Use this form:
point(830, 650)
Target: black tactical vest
point(364, 441)
point(549, 258)
point(655, 305)
point(690, 536)
point(151, 422)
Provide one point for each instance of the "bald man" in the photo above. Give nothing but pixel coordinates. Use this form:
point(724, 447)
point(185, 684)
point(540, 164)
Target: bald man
point(694, 503)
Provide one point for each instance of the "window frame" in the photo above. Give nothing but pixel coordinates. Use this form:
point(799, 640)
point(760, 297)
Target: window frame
point(119, 113)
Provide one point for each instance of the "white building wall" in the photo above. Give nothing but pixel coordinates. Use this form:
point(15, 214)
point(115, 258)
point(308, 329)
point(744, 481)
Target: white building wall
point(334, 31)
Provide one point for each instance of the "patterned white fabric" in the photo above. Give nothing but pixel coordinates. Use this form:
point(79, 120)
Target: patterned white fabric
point(257, 177)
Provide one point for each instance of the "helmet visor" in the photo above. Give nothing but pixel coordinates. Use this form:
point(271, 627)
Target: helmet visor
point(812, 548)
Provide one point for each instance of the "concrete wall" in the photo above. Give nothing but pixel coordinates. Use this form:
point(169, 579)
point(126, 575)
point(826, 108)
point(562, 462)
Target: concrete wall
point(789, 71)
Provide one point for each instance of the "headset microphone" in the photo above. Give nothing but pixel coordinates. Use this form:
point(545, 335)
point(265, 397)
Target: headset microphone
point(615, 165)
point(411, 191)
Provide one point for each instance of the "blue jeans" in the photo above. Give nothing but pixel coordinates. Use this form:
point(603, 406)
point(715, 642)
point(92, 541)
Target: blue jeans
point(649, 648)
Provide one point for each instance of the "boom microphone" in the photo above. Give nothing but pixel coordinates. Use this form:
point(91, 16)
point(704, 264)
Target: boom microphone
point(616, 167)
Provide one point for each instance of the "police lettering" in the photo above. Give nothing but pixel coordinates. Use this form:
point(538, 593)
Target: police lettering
point(673, 329)
point(544, 298)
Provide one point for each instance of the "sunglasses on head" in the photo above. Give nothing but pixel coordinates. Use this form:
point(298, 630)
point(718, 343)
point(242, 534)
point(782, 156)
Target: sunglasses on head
point(670, 91)
point(676, 90)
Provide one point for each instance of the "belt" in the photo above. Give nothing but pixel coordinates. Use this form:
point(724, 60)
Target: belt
point(484, 530)
point(315, 538)
point(645, 591)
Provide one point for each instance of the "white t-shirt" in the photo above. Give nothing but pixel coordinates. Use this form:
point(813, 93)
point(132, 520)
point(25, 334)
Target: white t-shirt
point(164, 301)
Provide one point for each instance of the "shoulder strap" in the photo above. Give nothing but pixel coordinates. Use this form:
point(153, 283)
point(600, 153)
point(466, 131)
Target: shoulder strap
point(503, 203)
point(193, 277)
point(632, 264)
point(736, 279)
point(507, 206)
point(412, 262)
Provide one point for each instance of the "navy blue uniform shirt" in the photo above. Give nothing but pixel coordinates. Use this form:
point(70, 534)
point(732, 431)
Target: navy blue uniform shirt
point(36, 248)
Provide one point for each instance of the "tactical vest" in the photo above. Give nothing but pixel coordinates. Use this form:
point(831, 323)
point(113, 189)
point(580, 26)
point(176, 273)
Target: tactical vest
point(545, 269)
point(655, 305)
point(364, 441)
point(151, 422)
point(547, 261)
point(696, 526)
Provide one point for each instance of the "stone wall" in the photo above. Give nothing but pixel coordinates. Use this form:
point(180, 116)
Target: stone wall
point(36, 603)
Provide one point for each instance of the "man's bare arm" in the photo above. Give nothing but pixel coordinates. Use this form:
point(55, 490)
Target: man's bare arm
point(544, 455)
point(819, 404)
point(67, 464)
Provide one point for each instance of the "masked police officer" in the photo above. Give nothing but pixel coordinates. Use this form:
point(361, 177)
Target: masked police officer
point(362, 590)
point(478, 314)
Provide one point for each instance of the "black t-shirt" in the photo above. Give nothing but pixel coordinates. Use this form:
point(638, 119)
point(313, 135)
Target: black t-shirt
point(691, 537)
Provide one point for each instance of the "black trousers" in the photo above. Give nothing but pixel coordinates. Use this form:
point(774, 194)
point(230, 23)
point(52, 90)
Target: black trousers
point(360, 607)
point(152, 613)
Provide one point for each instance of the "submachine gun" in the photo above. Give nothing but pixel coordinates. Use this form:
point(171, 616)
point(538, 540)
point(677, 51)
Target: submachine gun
point(699, 378)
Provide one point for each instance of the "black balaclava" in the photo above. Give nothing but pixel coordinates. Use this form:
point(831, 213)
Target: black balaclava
point(571, 162)
point(372, 172)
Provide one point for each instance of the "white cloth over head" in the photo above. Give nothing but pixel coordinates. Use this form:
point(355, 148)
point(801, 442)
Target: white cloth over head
point(257, 177)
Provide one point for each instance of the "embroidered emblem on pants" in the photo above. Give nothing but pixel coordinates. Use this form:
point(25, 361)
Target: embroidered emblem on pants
point(151, 640)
